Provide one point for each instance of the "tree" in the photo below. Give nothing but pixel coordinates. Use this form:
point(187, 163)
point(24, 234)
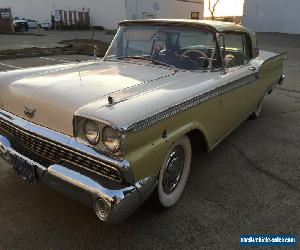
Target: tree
point(212, 8)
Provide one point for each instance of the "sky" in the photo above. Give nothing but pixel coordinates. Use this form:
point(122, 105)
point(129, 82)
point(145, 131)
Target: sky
point(226, 8)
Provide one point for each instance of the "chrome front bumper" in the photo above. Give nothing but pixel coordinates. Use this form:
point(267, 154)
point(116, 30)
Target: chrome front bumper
point(112, 202)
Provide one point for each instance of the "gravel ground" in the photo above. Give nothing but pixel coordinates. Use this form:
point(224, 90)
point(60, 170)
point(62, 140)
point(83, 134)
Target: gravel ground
point(249, 184)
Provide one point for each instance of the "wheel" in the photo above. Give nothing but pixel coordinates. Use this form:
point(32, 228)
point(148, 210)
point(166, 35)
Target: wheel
point(174, 173)
point(39, 26)
point(199, 52)
point(257, 112)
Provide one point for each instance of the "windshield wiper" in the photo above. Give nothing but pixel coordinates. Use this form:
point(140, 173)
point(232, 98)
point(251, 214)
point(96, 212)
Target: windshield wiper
point(149, 60)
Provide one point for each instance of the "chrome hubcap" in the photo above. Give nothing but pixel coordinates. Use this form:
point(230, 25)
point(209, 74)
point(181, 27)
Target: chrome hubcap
point(173, 170)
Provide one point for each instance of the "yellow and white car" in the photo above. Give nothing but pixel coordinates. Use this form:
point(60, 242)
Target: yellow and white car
point(110, 133)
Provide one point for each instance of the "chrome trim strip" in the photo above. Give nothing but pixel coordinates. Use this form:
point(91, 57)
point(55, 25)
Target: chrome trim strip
point(67, 142)
point(190, 103)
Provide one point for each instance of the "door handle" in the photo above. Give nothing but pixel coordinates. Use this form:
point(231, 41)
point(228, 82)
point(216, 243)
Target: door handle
point(252, 68)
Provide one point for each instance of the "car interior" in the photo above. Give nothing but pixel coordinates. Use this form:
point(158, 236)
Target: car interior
point(236, 50)
point(180, 49)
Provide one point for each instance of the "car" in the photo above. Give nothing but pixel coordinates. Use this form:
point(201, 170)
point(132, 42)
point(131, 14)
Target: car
point(112, 132)
point(32, 24)
point(46, 25)
point(20, 24)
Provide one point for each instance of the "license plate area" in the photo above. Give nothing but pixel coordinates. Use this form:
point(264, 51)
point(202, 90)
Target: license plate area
point(24, 169)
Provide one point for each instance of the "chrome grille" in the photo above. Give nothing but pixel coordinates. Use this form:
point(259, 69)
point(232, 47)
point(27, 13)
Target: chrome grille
point(57, 153)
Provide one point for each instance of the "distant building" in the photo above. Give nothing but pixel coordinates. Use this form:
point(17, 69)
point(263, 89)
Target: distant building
point(5, 20)
point(106, 13)
point(272, 15)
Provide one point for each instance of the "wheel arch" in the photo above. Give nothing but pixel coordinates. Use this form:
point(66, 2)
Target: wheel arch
point(198, 140)
point(196, 133)
point(155, 150)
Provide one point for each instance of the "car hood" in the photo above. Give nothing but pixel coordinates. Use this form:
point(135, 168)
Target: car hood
point(19, 21)
point(55, 94)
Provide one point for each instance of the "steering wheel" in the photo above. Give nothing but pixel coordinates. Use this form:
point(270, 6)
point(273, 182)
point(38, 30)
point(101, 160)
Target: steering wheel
point(199, 52)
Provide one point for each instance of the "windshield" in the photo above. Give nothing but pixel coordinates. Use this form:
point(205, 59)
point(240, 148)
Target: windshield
point(182, 47)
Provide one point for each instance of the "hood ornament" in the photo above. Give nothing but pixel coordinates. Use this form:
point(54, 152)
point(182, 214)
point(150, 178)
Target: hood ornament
point(111, 101)
point(29, 112)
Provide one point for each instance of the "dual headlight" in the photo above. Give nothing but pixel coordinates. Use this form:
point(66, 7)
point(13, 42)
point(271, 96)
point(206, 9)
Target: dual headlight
point(99, 135)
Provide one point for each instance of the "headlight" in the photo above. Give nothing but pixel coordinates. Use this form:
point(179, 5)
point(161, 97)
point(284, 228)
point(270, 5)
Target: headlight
point(100, 135)
point(91, 132)
point(111, 138)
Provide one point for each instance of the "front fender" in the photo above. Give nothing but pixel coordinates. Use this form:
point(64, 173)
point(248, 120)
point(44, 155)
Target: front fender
point(147, 159)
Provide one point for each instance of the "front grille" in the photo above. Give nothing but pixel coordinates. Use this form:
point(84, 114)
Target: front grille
point(57, 153)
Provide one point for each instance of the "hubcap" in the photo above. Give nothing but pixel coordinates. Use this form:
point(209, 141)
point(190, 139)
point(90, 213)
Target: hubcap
point(173, 170)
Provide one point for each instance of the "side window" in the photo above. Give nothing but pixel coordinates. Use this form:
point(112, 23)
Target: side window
point(204, 42)
point(193, 39)
point(237, 49)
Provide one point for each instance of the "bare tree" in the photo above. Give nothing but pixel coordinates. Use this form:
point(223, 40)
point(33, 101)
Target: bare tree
point(212, 8)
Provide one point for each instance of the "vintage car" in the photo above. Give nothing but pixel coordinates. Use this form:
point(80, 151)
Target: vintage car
point(111, 132)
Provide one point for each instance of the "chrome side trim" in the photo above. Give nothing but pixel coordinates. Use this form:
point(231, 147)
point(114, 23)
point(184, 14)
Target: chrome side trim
point(190, 103)
point(66, 141)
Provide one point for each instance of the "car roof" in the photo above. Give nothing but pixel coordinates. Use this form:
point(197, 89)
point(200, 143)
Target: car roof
point(214, 25)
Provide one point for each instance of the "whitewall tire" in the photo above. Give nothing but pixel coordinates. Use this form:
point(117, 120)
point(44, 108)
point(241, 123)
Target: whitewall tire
point(174, 172)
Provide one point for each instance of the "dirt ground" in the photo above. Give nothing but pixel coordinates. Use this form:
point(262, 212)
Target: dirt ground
point(48, 39)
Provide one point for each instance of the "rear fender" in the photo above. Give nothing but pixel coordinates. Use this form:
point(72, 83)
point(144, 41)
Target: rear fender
point(272, 67)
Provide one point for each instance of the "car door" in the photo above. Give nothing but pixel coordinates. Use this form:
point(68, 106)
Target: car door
point(240, 92)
